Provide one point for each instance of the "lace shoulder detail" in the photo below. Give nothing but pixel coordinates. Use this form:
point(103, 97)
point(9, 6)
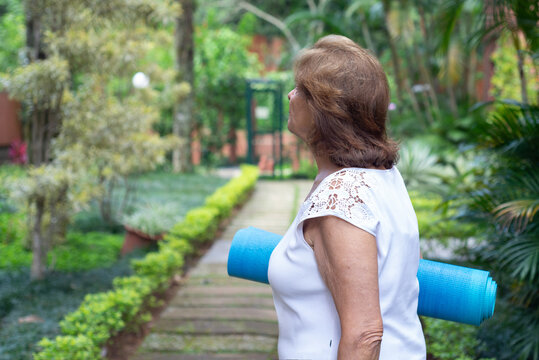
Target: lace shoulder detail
point(347, 195)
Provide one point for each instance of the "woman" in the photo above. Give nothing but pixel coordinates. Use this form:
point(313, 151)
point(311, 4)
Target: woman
point(344, 275)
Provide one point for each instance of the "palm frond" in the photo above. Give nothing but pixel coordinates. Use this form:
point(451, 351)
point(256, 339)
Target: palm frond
point(517, 212)
point(513, 129)
point(521, 256)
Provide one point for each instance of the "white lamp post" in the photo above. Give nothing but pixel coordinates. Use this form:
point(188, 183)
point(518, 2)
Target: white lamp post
point(140, 80)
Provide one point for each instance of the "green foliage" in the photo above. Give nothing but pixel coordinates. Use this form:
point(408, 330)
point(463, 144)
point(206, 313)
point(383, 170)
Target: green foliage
point(152, 219)
point(77, 347)
point(447, 340)
point(199, 224)
point(40, 84)
point(437, 221)
point(98, 136)
point(12, 228)
point(505, 202)
point(417, 164)
point(102, 315)
point(80, 252)
point(159, 266)
point(505, 80)
point(8, 175)
point(50, 299)
point(86, 251)
point(234, 192)
point(222, 64)
point(11, 34)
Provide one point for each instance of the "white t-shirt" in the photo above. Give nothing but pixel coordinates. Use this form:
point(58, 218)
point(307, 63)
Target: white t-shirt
point(377, 202)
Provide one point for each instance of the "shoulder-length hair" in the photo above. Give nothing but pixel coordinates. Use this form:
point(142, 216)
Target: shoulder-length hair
point(347, 92)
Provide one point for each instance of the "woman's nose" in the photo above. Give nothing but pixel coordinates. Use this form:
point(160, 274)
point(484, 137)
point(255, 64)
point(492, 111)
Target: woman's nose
point(291, 93)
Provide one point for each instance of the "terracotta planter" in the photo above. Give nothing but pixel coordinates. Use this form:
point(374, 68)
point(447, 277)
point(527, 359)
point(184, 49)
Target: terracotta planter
point(135, 239)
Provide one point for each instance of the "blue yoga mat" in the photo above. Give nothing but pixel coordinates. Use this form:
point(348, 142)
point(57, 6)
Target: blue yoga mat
point(446, 291)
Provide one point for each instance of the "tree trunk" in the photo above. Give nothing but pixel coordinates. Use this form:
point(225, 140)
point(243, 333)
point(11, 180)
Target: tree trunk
point(489, 48)
point(232, 141)
point(367, 34)
point(394, 54)
point(39, 248)
point(183, 113)
point(521, 73)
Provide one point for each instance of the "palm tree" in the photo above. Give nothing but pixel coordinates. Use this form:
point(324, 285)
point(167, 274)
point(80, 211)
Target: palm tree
point(508, 203)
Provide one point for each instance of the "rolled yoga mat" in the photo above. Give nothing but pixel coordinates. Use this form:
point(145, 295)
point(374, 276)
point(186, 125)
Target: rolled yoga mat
point(446, 291)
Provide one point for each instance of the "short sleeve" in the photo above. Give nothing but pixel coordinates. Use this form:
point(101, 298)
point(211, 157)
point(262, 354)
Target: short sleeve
point(347, 195)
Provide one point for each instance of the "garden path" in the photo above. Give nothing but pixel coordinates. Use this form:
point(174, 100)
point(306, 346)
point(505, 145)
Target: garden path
point(214, 316)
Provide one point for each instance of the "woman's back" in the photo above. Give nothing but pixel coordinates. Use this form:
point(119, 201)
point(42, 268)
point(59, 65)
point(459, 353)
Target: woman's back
point(377, 202)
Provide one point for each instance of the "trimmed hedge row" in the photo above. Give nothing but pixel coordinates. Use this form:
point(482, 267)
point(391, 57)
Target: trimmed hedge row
point(101, 316)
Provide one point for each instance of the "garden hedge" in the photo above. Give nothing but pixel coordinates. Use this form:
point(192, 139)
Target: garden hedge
point(101, 316)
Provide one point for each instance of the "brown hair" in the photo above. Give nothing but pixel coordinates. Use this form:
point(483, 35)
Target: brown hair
point(346, 89)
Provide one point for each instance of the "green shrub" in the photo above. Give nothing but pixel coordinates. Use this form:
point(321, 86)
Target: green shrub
point(199, 225)
point(447, 340)
point(9, 174)
point(102, 315)
point(77, 347)
point(86, 251)
point(79, 252)
point(152, 219)
point(159, 266)
point(13, 228)
point(435, 222)
point(14, 256)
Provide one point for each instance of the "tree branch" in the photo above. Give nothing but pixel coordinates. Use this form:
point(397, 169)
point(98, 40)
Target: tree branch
point(274, 21)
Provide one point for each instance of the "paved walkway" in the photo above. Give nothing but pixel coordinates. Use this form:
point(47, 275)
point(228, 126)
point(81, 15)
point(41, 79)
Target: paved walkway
point(214, 316)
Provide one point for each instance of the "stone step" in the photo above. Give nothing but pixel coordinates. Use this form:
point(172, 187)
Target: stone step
point(202, 290)
point(222, 280)
point(218, 313)
point(225, 356)
point(162, 342)
point(215, 327)
point(235, 301)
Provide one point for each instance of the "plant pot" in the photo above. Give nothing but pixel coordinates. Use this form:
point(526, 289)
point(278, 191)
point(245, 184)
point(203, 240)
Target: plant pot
point(135, 239)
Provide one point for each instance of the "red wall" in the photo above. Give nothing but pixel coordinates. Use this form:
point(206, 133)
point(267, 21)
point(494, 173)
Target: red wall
point(10, 128)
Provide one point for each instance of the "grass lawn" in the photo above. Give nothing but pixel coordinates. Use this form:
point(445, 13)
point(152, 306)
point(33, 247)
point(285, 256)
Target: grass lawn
point(86, 263)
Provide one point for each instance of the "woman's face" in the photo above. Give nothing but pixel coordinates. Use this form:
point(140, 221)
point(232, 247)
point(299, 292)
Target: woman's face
point(300, 119)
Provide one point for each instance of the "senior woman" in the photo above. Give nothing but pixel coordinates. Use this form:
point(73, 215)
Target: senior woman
point(344, 275)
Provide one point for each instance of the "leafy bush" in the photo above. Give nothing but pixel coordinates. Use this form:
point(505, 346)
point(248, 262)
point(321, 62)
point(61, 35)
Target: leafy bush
point(152, 219)
point(506, 202)
point(86, 251)
point(200, 224)
point(448, 340)
point(79, 252)
point(436, 221)
point(68, 348)
point(12, 228)
point(51, 300)
point(102, 315)
point(8, 175)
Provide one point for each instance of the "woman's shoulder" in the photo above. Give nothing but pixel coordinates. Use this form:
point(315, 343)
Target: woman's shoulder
point(351, 180)
point(346, 193)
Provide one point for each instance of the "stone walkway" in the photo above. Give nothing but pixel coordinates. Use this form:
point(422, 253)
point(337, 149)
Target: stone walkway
point(214, 316)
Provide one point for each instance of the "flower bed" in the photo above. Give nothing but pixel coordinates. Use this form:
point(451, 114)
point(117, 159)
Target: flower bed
point(101, 316)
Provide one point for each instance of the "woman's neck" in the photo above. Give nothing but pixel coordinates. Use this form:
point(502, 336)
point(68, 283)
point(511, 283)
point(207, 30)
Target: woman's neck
point(325, 167)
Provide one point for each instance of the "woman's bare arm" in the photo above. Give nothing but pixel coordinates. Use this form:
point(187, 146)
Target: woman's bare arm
point(347, 260)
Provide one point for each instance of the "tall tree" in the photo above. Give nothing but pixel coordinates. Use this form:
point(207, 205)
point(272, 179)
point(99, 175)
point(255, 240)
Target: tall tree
point(69, 98)
point(183, 112)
